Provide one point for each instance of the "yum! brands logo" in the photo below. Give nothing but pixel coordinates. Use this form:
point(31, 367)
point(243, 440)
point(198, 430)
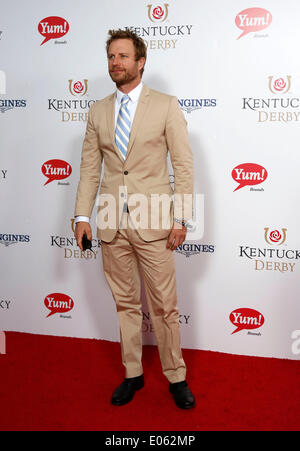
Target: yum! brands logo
point(246, 318)
point(53, 27)
point(251, 20)
point(158, 13)
point(56, 170)
point(58, 303)
point(249, 174)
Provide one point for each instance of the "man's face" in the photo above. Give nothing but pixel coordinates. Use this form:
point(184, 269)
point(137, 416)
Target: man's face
point(122, 66)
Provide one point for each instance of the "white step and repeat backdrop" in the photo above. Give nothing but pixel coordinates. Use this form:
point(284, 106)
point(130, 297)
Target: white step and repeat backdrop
point(235, 70)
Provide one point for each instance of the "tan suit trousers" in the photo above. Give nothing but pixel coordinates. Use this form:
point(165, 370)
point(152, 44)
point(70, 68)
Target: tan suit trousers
point(123, 259)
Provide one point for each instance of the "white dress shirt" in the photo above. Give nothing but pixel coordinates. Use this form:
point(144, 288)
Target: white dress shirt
point(134, 96)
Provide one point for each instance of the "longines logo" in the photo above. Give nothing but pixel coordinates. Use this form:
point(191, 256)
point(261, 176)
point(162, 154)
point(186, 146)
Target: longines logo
point(8, 238)
point(70, 248)
point(281, 108)
point(73, 109)
point(160, 35)
point(189, 105)
point(189, 249)
point(9, 104)
point(274, 258)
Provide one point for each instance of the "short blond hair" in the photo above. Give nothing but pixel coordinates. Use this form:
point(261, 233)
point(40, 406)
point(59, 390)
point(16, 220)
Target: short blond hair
point(138, 43)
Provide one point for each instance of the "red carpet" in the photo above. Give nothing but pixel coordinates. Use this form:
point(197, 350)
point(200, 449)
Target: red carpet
point(57, 383)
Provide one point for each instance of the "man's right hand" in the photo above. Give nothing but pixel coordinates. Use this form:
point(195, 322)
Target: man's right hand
point(82, 228)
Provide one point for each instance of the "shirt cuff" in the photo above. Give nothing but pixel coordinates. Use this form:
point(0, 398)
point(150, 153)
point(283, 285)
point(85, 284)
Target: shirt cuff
point(82, 219)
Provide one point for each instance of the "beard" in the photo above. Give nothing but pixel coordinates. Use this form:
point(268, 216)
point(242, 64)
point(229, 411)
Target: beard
point(123, 77)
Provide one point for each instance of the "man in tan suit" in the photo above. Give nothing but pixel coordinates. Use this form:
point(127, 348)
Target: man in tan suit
point(138, 221)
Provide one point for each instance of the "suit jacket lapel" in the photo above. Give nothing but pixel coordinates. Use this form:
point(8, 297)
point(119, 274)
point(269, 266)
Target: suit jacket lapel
point(139, 115)
point(110, 118)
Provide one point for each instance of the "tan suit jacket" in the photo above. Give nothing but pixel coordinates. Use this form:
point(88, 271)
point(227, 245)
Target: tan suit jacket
point(158, 127)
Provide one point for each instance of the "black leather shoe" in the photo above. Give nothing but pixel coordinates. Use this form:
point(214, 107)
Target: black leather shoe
point(183, 397)
point(125, 392)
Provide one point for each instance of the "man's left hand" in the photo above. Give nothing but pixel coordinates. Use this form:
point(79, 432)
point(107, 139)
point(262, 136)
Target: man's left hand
point(177, 236)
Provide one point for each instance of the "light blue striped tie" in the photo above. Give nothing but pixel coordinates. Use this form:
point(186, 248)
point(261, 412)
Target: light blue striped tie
point(122, 132)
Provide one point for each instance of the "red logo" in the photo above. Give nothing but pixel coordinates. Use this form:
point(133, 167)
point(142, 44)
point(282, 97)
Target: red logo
point(275, 237)
point(53, 27)
point(279, 84)
point(249, 174)
point(56, 170)
point(58, 303)
point(246, 318)
point(253, 19)
point(78, 87)
point(158, 13)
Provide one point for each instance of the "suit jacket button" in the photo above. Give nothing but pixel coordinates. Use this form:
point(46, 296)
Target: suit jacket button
point(125, 172)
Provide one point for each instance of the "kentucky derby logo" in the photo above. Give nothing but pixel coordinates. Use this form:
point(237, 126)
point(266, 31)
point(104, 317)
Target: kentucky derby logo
point(277, 107)
point(275, 237)
point(280, 85)
point(273, 257)
point(158, 13)
point(73, 109)
point(78, 87)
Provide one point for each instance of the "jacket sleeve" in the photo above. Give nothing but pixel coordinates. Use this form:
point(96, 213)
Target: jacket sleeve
point(90, 170)
point(182, 161)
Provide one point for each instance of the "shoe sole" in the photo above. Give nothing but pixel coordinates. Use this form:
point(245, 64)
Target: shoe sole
point(186, 407)
point(122, 403)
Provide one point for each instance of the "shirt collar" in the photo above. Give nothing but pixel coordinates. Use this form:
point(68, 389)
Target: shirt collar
point(133, 95)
